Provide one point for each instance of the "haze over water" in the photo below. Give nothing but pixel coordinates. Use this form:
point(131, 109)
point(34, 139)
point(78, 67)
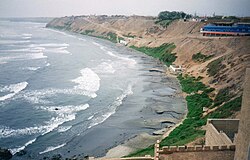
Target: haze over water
point(71, 94)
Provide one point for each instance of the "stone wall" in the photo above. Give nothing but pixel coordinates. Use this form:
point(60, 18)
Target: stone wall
point(243, 137)
point(212, 155)
point(197, 152)
point(221, 131)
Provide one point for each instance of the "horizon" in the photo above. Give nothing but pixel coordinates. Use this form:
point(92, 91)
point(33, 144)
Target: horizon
point(61, 8)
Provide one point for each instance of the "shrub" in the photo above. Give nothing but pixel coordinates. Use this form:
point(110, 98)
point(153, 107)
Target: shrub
point(163, 52)
point(222, 96)
point(89, 31)
point(112, 37)
point(228, 109)
point(199, 57)
point(215, 66)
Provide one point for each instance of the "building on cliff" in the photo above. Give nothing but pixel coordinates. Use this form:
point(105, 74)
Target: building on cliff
point(226, 29)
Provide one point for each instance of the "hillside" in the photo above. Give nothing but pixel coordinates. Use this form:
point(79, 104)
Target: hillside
point(217, 62)
point(142, 31)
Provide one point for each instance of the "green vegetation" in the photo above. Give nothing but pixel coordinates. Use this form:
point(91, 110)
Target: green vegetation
point(86, 32)
point(215, 66)
point(199, 57)
point(112, 37)
point(166, 17)
point(163, 52)
point(222, 96)
point(130, 36)
point(190, 129)
point(191, 84)
point(228, 109)
point(121, 38)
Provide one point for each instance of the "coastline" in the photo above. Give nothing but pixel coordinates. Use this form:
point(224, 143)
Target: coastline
point(144, 140)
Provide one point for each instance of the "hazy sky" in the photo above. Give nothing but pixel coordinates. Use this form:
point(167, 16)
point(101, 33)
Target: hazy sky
point(55, 8)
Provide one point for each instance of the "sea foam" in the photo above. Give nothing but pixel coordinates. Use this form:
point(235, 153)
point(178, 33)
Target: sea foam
point(88, 82)
point(14, 89)
point(15, 150)
point(104, 67)
point(64, 114)
point(52, 148)
point(111, 109)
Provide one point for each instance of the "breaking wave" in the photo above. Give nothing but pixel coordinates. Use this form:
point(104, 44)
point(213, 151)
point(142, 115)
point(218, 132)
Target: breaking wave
point(15, 150)
point(111, 108)
point(52, 148)
point(14, 89)
point(64, 114)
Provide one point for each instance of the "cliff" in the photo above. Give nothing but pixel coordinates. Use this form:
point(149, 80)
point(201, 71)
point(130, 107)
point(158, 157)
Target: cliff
point(224, 70)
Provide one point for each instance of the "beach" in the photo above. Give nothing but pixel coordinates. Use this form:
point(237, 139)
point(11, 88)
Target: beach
point(80, 96)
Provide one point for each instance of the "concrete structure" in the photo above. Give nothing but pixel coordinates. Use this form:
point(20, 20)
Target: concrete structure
point(243, 137)
point(221, 131)
point(123, 42)
point(198, 152)
point(175, 69)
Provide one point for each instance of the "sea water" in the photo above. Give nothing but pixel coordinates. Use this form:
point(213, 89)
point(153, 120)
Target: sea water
point(70, 94)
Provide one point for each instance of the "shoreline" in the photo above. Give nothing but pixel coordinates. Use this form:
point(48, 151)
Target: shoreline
point(144, 140)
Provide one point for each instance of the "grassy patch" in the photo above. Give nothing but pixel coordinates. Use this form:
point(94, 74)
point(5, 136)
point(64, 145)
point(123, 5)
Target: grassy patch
point(163, 52)
point(191, 84)
point(199, 57)
point(146, 151)
point(215, 66)
point(228, 109)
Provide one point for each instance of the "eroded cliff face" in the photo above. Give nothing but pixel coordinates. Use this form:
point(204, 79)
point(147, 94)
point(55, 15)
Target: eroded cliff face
point(225, 69)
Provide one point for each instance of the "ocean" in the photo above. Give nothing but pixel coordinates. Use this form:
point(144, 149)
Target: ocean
point(69, 94)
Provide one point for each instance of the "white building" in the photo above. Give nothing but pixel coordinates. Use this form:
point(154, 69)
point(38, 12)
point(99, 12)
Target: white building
point(123, 42)
point(175, 68)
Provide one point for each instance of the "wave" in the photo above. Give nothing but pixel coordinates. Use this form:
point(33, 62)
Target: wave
point(15, 150)
point(27, 34)
point(13, 42)
point(26, 37)
point(63, 128)
point(88, 82)
point(64, 109)
point(130, 61)
point(64, 114)
point(47, 64)
point(91, 117)
point(56, 31)
point(81, 39)
point(59, 50)
point(104, 67)
point(38, 55)
point(35, 49)
point(111, 108)
point(14, 88)
point(40, 96)
point(32, 68)
point(50, 45)
point(52, 148)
